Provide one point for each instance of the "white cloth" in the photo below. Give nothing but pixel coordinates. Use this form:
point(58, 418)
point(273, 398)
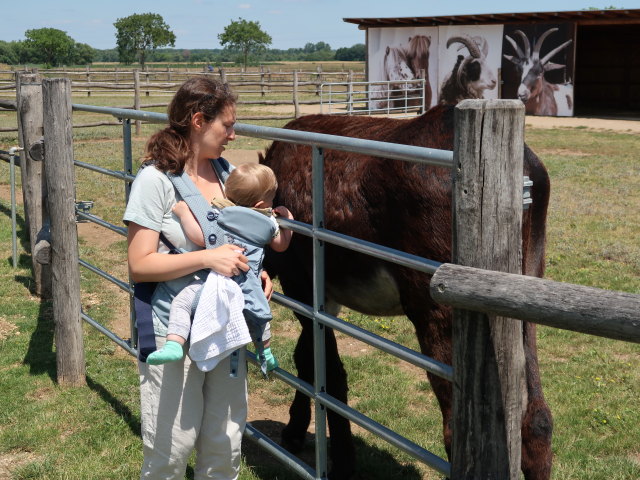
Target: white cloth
point(218, 325)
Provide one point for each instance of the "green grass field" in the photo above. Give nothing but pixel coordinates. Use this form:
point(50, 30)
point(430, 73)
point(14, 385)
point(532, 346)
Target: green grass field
point(592, 384)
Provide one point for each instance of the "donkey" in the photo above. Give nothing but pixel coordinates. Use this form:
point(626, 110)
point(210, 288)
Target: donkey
point(404, 206)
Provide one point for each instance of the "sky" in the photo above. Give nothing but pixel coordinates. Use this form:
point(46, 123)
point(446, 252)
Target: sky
point(291, 23)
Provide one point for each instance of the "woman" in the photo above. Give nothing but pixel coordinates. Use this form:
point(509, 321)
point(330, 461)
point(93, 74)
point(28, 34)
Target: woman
point(183, 408)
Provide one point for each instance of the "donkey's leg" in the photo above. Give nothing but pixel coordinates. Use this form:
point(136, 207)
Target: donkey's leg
point(433, 330)
point(537, 424)
point(293, 434)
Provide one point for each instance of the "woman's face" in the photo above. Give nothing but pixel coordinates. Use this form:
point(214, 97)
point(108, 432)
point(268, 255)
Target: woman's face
point(218, 132)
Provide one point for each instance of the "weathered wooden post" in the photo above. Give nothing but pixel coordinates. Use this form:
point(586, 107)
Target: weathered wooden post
point(34, 190)
point(296, 105)
point(136, 96)
point(223, 75)
point(58, 138)
point(318, 79)
point(146, 72)
point(488, 355)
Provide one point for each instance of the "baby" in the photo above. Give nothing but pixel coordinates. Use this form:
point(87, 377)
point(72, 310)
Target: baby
point(249, 185)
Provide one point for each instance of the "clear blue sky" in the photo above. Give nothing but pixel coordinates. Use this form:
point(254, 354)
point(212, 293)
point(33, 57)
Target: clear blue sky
point(291, 23)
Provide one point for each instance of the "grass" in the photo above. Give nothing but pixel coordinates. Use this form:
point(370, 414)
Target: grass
point(592, 384)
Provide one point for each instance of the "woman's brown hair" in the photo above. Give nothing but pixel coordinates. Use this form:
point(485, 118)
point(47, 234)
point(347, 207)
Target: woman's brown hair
point(169, 148)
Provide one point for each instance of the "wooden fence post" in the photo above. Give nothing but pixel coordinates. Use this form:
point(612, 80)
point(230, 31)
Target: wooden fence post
point(223, 75)
point(296, 105)
point(59, 169)
point(136, 96)
point(261, 80)
point(488, 355)
point(34, 189)
point(88, 80)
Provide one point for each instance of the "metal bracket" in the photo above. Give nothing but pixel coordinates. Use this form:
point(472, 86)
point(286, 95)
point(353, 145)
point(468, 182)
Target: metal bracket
point(84, 207)
point(526, 193)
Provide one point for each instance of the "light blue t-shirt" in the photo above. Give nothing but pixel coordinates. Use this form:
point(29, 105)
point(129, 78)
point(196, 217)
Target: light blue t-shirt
point(150, 202)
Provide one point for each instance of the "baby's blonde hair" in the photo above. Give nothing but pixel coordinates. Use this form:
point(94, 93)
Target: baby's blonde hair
point(251, 183)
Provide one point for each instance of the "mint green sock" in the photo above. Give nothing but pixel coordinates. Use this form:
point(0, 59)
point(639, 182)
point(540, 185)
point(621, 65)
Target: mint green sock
point(171, 352)
point(272, 362)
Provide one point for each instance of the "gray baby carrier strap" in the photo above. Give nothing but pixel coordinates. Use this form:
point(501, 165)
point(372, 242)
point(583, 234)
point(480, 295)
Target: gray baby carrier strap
point(205, 214)
point(207, 217)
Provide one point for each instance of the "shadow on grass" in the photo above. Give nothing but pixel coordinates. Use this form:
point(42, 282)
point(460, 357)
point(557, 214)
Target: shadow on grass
point(40, 355)
point(372, 463)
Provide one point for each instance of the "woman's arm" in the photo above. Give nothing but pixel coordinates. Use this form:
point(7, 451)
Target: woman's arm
point(147, 265)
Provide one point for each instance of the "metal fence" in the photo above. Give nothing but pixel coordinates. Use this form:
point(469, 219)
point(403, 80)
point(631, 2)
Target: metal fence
point(316, 391)
point(400, 99)
point(597, 312)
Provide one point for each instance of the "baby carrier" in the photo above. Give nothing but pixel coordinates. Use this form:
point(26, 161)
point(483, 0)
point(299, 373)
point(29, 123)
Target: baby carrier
point(214, 236)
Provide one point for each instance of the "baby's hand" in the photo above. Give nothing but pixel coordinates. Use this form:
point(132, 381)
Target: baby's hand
point(283, 212)
point(181, 208)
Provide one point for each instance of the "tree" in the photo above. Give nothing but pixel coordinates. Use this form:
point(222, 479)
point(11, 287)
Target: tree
point(245, 36)
point(49, 45)
point(354, 53)
point(140, 33)
point(82, 54)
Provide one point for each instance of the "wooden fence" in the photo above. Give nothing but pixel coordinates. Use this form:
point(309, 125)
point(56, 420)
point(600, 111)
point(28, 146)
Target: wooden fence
point(265, 86)
point(480, 296)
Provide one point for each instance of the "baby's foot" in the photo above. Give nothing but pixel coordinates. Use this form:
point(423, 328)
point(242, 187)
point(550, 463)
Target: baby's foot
point(272, 362)
point(171, 352)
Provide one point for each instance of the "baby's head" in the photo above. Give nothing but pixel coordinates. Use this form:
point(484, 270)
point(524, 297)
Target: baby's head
point(251, 185)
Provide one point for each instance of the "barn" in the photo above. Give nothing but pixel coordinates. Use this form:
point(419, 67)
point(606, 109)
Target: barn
point(568, 63)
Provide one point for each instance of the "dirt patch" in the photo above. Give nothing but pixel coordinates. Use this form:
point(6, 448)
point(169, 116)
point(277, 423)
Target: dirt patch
point(9, 462)
point(596, 124)
point(6, 328)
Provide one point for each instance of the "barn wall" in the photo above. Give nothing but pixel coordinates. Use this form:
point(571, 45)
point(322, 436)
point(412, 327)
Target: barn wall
point(605, 71)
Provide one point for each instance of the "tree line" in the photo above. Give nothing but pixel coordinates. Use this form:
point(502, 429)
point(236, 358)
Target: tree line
point(140, 38)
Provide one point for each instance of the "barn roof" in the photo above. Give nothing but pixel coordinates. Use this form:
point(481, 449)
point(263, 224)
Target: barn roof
point(581, 17)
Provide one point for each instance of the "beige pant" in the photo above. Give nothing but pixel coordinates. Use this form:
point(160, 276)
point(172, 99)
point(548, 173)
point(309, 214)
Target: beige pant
point(183, 408)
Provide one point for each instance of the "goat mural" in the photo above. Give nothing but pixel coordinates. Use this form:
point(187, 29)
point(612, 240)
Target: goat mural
point(373, 199)
point(540, 96)
point(402, 62)
point(471, 75)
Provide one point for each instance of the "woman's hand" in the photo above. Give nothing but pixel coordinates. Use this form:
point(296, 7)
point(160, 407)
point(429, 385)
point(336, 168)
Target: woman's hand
point(226, 260)
point(267, 284)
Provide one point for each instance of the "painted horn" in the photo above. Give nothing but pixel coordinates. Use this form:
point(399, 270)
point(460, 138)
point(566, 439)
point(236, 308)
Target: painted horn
point(525, 43)
point(536, 49)
point(467, 42)
point(548, 56)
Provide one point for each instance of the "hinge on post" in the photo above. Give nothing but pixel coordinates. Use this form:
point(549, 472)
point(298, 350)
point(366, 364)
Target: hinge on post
point(526, 193)
point(84, 207)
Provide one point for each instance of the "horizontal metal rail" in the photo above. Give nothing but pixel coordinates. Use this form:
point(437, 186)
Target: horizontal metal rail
point(431, 156)
point(151, 117)
point(97, 220)
point(402, 443)
point(383, 432)
point(288, 460)
point(108, 333)
point(123, 285)
point(112, 173)
point(388, 346)
point(363, 246)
